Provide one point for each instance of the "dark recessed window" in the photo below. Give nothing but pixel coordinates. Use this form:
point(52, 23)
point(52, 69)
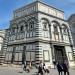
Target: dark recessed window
point(64, 29)
point(31, 24)
point(55, 29)
point(21, 29)
point(45, 25)
point(26, 27)
point(13, 30)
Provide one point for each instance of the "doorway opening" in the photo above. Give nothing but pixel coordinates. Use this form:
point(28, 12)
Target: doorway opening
point(60, 54)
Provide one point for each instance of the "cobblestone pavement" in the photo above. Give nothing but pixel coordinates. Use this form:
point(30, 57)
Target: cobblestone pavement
point(19, 71)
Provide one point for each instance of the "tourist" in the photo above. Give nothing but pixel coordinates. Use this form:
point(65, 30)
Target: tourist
point(65, 68)
point(40, 68)
point(59, 68)
point(44, 67)
point(54, 62)
point(24, 68)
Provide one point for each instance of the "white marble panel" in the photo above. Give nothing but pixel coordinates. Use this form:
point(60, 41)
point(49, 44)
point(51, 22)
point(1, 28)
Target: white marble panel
point(32, 56)
point(27, 56)
point(10, 56)
point(0, 46)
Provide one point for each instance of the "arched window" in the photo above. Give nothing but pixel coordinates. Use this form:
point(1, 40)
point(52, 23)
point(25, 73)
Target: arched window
point(65, 33)
point(13, 28)
point(26, 26)
point(45, 24)
point(64, 30)
point(56, 30)
point(21, 28)
point(22, 25)
point(31, 25)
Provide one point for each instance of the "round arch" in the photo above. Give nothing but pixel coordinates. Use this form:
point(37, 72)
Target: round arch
point(65, 26)
point(32, 19)
point(56, 23)
point(46, 19)
point(22, 21)
point(2, 37)
point(14, 25)
point(21, 25)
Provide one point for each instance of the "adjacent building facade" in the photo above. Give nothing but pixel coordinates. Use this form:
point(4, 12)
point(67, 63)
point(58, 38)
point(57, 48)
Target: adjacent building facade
point(71, 22)
point(39, 32)
point(2, 44)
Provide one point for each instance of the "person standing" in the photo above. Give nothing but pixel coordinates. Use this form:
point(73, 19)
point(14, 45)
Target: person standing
point(65, 68)
point(40, 68)
point(24, 68)
point(59, 68)
point(44, 67)
point(54, 62)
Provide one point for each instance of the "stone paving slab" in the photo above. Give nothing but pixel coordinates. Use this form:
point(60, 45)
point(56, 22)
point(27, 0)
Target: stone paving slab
point(19, 71)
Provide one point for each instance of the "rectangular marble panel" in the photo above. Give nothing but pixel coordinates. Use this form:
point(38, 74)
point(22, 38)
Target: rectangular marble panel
point(46, 55)
point(27, 56)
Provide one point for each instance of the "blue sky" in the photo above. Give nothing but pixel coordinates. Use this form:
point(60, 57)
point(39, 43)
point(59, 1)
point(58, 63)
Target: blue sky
point(7, 7)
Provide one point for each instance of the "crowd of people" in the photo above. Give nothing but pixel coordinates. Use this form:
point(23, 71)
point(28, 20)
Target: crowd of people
point(62, 68)
point(42, 68)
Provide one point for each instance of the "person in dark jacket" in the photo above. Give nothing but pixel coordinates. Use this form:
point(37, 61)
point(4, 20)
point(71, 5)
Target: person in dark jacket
point(40, 68)
point(65, 68)
point(24, 68)
point(59, 68)
point(54, 62)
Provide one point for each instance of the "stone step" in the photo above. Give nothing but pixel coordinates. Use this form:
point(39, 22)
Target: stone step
point(2, 56)
point(73, 56)
point(73, 53)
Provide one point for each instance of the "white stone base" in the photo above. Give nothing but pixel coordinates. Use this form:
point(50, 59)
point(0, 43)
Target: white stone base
point(72, 64)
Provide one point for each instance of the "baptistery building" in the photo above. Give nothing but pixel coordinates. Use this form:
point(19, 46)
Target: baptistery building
point(39, 32)
point(2, 36)
point(3, 45)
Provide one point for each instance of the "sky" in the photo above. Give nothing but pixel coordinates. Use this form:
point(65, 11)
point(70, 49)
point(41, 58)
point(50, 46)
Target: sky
point(8, 6)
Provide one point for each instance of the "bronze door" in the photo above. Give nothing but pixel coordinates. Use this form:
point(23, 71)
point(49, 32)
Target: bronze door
point(60, 53)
